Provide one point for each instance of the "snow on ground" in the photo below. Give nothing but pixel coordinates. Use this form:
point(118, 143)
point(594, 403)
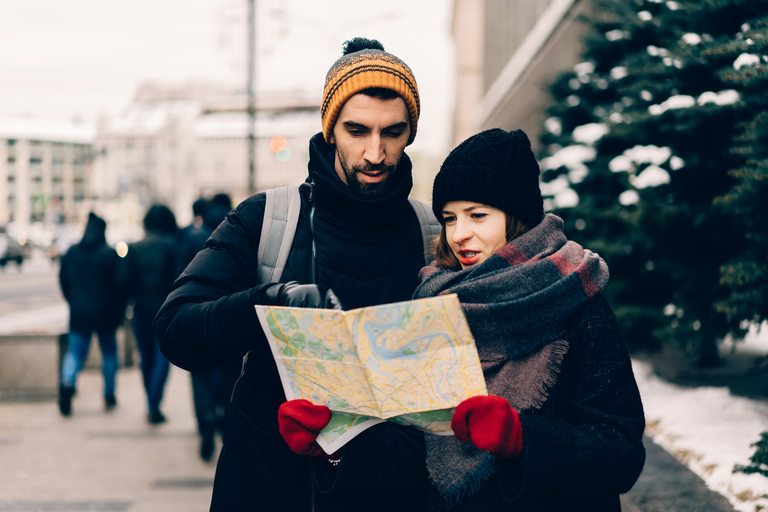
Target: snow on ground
point(710, 430)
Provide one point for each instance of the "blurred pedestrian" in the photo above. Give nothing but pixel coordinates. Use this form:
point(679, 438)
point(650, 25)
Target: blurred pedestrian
point(211, 387)
point(89, 282)
point(151, 266)
point(193, 237)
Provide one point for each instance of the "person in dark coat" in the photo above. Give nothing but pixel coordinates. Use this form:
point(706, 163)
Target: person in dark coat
point(211, 387)
point(193, 237)
point(357, 235)
point(563, 423)
point(151, 266)
point(88, 279)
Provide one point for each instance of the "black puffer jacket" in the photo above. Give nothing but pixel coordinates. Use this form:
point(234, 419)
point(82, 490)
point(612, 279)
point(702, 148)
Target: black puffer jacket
point(89, 281)
point(368, 252)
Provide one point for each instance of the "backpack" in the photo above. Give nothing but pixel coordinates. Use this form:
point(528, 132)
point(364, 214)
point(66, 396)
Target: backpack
point(281, 215)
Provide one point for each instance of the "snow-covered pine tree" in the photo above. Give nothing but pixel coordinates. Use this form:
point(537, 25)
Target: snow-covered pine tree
point(746, 275)
point(637, 149)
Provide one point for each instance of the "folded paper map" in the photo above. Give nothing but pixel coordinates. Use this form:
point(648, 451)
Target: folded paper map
point(408, 362)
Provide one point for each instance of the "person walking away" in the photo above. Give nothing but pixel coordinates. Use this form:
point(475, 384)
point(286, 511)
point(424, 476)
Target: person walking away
point(193, 237)
point(151, 265)
point(211, 387)
point(358, 235)
point(89, 282)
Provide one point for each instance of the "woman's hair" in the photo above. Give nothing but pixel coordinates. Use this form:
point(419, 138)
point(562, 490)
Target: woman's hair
point(444, 256)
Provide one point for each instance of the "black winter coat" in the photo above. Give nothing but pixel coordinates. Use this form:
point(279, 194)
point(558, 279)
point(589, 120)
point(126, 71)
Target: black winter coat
point(151, 266)
point(368, 252)
point(89, 282)
point(584, 446)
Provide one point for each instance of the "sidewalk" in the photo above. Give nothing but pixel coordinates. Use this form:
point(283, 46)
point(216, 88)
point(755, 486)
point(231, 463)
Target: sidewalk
point(96, 461)
point(99, 461)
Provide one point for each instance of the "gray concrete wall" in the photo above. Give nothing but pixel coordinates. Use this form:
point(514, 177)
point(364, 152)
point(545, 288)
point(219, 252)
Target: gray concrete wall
point(30, 364)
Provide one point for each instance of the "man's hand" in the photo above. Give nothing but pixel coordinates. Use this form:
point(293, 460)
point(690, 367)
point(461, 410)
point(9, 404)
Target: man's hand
point(300, 422)
point(295, 295)
point(491, 424)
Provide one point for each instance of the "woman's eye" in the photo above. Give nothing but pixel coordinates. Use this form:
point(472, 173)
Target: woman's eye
point(478, 216)
point(449, 219)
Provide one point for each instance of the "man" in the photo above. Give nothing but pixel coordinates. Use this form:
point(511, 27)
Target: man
point(89, 282)
point(357, 235)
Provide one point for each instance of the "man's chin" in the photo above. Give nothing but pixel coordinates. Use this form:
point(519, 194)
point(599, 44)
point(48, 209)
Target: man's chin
point(370, 191)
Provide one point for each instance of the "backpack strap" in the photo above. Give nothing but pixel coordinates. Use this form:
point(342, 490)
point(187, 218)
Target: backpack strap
point(430, 227)
point(281, 216)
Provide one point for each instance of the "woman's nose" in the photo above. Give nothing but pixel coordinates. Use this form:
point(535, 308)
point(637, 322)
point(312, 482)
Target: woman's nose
point(461, 233)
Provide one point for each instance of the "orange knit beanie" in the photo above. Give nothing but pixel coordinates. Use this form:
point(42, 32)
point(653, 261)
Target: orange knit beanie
point(365, 65)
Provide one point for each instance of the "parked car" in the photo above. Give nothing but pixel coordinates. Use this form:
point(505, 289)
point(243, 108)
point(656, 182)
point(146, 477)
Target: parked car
point(10, 250)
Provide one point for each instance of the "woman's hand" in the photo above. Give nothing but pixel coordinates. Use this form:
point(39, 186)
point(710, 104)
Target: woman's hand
point(491, 424)
point(300, 422)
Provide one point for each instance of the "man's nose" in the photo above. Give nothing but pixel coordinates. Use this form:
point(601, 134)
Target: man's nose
point(374, 150)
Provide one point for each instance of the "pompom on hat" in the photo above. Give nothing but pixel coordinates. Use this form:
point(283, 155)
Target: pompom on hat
point(495, 168)
point(365, 65)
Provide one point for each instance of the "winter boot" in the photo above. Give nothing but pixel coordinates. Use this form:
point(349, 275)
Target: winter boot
point(65, 399)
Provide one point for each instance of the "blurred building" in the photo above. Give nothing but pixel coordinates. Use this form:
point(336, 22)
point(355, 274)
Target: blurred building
point(175, 144)
point(507, 52)
point(45, 170)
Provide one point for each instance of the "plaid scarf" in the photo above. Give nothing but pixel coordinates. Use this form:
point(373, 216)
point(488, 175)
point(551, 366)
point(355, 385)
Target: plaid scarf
point(517, 304)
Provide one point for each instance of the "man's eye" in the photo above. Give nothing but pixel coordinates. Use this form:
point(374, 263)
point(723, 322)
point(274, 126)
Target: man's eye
point(393, 133)
point(356, 133)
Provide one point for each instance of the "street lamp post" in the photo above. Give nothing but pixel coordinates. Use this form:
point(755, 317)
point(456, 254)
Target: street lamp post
point(251, 96)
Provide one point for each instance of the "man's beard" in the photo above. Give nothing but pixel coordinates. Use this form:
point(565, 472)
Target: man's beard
point(369, 191)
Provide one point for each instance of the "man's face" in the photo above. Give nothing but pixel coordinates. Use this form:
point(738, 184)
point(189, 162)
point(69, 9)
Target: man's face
point(370, 136)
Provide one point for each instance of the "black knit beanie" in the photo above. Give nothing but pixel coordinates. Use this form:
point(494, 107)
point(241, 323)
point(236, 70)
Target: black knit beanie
point(495, 168)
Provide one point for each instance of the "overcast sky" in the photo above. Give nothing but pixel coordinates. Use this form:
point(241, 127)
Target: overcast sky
point(68, 59)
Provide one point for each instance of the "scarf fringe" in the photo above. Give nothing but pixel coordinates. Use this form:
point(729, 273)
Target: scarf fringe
point(551, 373)
point(472, 483)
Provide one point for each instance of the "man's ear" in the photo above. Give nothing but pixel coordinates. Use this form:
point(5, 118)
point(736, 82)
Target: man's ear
point(331, 140)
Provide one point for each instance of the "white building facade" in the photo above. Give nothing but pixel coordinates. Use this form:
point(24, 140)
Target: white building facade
point(45, 171)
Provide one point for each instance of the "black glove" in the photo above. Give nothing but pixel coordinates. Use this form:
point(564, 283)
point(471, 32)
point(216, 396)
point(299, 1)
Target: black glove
point(295, 295)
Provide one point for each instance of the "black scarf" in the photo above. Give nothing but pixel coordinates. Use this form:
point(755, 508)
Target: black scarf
point(517, 304)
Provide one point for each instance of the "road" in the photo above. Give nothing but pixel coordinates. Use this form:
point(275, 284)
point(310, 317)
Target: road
point(30, 297)
point(35, 285)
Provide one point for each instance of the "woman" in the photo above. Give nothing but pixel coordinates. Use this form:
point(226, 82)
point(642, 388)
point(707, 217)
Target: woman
point(562, 426)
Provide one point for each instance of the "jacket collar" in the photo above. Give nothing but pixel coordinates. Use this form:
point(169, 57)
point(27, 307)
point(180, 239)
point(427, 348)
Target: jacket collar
point(334, 195)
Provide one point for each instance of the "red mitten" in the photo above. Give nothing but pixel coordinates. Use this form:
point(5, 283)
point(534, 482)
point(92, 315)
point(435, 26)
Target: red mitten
point(491, 424)
point(300, 423)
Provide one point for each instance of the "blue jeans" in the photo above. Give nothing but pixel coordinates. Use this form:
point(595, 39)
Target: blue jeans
point(74, 359)
point(154, 365)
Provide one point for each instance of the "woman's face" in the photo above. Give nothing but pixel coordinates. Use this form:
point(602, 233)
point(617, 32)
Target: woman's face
point(474, 231)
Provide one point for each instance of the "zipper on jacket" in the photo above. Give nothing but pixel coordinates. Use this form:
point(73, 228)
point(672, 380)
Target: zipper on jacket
point(312, 231)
